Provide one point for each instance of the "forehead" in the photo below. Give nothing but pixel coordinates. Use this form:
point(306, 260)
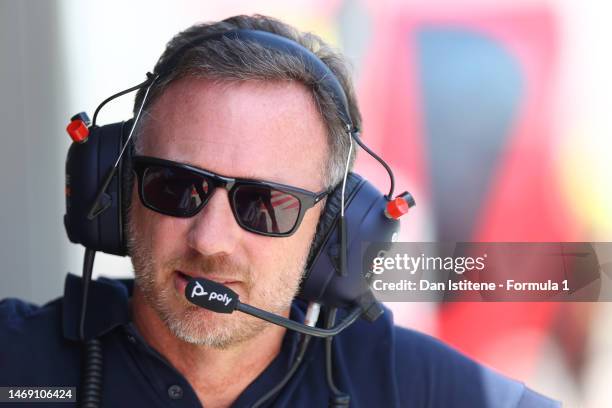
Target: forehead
point(269, 130)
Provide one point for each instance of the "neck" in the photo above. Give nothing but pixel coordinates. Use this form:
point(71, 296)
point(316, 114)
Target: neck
point(212, 372)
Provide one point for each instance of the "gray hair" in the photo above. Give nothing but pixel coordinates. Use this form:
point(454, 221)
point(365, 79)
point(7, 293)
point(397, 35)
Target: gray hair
point(237, 60)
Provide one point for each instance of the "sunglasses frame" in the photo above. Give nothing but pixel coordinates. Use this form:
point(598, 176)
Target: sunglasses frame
point(307, 199)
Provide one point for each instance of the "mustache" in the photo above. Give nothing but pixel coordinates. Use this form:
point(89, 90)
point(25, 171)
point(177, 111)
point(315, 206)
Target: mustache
point(216, 265)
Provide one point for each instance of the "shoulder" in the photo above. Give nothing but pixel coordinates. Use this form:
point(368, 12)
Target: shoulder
point(423, 371)
point(31, 336)
point(18, 317)
point(454, 379)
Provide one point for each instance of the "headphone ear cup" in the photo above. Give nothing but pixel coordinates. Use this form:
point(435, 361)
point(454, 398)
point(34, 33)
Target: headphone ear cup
point(87, 165)
point(325, 248)
point(365, 222)
point(330, 214)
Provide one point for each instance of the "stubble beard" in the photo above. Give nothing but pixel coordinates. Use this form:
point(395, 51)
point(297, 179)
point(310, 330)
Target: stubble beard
point(190, 323)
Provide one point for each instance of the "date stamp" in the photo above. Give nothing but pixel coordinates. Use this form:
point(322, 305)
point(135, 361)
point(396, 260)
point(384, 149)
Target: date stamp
point(37, 394)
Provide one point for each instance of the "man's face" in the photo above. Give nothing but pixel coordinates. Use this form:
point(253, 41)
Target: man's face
point(269, 131)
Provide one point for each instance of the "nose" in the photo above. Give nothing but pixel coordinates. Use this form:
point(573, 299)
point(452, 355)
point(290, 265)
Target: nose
point(214, 231)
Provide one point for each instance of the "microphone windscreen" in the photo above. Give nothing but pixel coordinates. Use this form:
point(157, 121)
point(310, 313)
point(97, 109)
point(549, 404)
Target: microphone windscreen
point(211, 295)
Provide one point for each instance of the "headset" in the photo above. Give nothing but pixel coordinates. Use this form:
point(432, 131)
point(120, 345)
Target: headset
point(99, 184)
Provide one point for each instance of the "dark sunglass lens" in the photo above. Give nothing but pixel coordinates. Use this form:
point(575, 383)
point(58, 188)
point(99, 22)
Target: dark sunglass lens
point(173, 190)
point(265, 210)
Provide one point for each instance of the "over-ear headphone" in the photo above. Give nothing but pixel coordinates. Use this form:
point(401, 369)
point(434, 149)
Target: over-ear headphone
point(99, 182)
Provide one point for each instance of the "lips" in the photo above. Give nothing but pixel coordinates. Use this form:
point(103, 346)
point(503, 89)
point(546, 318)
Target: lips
point(182, 278)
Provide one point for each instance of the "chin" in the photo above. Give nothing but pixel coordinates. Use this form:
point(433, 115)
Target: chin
point(206, 328)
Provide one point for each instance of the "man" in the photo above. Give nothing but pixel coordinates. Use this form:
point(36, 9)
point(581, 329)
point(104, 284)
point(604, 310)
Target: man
point(237, 110)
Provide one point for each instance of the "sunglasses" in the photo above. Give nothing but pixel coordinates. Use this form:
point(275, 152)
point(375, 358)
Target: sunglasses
point(261, 207)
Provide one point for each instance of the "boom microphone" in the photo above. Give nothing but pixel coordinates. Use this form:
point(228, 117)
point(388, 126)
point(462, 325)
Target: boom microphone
point(211, 295)
point(219, 298)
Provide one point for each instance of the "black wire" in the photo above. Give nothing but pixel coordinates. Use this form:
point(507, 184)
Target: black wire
point(296, 363)
point(91, 380)
point(338, 398)
point(88, 260)
point(355, 135)
point(353, 315)
point(118, 94)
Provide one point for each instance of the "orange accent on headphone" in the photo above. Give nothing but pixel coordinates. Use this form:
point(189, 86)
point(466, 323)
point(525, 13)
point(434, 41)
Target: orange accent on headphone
point(399, 205)
point(77, 129)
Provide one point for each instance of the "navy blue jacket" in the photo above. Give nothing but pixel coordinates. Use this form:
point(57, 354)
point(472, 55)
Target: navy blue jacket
point(378, 364)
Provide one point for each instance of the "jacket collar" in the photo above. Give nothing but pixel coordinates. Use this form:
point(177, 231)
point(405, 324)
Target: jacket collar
point(107, 306)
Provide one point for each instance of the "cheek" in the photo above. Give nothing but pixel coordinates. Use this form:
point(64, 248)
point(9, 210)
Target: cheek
point(283, 254)
point(307, 228)
point(166, 236)
point(159, 233)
